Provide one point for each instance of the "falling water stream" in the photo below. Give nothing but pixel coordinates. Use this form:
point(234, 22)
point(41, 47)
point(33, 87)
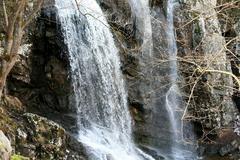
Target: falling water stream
point(172, 96)
point(141, 14)
point(174, 103)
point(99, 94)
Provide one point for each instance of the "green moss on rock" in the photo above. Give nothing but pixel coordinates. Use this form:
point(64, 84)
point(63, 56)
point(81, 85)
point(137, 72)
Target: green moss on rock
point(19, 157)
point(36, 137)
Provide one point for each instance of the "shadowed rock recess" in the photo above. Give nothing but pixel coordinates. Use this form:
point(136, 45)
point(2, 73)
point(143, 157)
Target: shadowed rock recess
point(125, 80)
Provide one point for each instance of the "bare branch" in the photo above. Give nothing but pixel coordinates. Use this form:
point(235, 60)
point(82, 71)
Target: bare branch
point(32, 15)
point(5, 14)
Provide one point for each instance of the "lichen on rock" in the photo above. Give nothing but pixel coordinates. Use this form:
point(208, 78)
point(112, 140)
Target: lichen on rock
point(35, 137)
point(5, 147)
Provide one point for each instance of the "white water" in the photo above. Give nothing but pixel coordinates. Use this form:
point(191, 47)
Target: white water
point(174, 103)
point(203, 25)
point(141, 14)
point(103, 117)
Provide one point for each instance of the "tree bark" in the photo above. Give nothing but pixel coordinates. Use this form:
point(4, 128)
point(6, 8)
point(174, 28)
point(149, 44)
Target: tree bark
point(14, 27)
point(6, 67)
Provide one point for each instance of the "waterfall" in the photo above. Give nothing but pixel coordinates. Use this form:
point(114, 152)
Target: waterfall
point(172, 97)
point(141, 14)
point(174, 104)
point(103, 118)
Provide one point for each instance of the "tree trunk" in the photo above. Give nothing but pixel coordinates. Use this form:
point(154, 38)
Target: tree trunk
point(14, 27)
point(6, 67)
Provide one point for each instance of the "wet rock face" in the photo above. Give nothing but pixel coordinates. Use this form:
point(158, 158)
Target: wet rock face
point(123, 25)
point(205, 48)
point(154, 3)
point(149, 117)
point(232, 30)
point(40, 77)
point(202, 40)
point(49, 63)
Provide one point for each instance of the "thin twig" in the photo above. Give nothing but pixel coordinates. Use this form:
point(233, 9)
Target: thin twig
point(5, 13)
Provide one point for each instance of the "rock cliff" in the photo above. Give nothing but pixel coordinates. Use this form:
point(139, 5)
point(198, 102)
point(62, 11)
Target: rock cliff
point(207, 33)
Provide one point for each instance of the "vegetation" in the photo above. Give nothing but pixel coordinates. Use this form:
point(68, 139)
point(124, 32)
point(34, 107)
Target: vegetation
point(17, 15)
point(19, 157)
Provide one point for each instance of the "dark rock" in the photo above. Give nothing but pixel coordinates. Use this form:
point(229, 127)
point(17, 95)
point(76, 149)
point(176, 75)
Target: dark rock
point(201, 151)
point(153, 152)
point(40, 79)
point(42, 84)
point(226, 149)
point(21, 70)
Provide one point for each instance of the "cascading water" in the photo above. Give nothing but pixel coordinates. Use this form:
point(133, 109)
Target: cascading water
point(141, 13)
point(172, 97)
point(174, 103)
point(103, 117)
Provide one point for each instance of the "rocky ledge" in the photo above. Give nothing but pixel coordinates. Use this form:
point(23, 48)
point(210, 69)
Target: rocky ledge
point(33, 136)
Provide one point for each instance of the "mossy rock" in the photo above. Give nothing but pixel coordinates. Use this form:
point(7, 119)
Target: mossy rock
point(19, 157)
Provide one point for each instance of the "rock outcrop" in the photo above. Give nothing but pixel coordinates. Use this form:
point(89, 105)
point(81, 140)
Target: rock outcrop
point(203, 58)
point(35, 137)
point(207, 69)
point(40, 79)
point(209, 53)
point(5, 147)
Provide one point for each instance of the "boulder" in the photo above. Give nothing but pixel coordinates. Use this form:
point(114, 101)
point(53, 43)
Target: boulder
point(5, 147)
point(44, 139)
